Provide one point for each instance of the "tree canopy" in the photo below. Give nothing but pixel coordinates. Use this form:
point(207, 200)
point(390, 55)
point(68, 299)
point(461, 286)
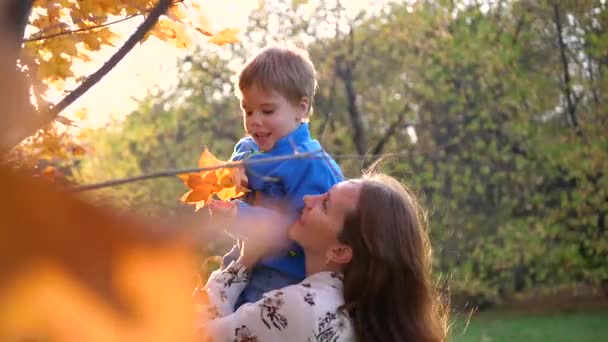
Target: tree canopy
point(494, 111)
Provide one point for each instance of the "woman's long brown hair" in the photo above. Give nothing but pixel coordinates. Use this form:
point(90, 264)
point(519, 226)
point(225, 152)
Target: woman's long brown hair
point(388, 290)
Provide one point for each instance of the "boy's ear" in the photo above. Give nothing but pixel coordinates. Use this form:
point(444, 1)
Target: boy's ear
point(304, 107)
point(340, 254)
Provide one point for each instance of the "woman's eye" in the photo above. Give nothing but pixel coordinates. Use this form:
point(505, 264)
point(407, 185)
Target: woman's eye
point(268, 112)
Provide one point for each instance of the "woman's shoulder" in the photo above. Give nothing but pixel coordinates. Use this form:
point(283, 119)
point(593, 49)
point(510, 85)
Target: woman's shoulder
point(321, 289)
point(322, 294)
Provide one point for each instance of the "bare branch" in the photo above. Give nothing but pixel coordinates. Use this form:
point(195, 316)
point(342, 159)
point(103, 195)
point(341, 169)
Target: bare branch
point(566, 71)
point(330, 109)
point(34, 37)
point(344, 70)
point(392, 129)
point(171, 173)
point(63, 33)
point(316, 154)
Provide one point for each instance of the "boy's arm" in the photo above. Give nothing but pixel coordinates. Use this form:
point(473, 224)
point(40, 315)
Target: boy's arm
point(243, 148)
point(309, 177)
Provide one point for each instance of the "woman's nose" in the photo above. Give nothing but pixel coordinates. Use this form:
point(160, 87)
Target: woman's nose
point(309, 200)
point(306, 199)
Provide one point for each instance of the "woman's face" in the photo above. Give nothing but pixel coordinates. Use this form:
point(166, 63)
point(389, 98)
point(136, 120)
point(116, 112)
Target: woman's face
point(323, 217)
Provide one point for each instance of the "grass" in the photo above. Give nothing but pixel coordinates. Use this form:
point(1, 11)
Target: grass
point(555, 327)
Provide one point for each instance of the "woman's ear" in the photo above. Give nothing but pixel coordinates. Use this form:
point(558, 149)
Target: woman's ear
point(340, 254)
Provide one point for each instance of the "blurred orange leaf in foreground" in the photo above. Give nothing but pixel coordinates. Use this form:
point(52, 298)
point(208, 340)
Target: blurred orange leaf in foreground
point(72, 271)
point(225, 183)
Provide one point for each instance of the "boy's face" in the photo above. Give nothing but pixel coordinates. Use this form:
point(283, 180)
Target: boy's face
point(268, 116)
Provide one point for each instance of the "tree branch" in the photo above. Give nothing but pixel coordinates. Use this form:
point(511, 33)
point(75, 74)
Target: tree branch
point(316, 154)
point(392, 129)
point(14, 15)
point(63, 33)
point(18, 12)
point(33, 38)
point(171, 173)
point(566, 70)
point(141, 31)
point(345, 72)
point(47, 116)
point(330, 109)
point(518, 28)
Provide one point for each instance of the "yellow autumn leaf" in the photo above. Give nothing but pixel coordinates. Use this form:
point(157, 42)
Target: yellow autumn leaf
point(225, 183)
point(227, 194)
point(172, 32)
point(208, 159)
point(176, 12)
point(226, 36)
point(82, 114)
point(225, 178)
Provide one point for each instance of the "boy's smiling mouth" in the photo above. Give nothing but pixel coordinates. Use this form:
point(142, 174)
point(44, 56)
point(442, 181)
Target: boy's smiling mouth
point(263, 139)
point(261, 135)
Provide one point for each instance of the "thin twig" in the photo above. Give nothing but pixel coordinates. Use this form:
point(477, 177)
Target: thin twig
point(63, 33)
point(33, 37)
point(229, 165)
point(316, 154)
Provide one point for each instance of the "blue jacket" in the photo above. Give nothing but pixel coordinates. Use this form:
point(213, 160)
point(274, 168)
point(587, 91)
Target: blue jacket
point(285, 183)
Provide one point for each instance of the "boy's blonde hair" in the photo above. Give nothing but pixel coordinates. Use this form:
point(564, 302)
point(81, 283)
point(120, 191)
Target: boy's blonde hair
point(284, 68)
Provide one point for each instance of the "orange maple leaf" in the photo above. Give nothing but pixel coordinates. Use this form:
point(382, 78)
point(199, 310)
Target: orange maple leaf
point(142, 274)
point(224, 183)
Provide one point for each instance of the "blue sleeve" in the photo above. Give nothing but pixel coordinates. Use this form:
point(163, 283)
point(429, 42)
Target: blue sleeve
point(243, 148)
point(309, 177)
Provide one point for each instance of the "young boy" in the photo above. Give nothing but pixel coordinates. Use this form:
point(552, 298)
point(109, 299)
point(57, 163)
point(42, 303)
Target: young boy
point(276, 88)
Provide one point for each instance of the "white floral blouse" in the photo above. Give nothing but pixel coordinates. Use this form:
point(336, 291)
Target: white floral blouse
point(307, 311)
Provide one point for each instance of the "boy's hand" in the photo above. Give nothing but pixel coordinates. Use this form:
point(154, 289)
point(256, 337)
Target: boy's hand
point(222, 207)
point(222, 213)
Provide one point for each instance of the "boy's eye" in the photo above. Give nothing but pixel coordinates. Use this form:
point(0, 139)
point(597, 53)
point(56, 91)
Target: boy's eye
point(268, 112)
point(248, 113)
point(325, 204)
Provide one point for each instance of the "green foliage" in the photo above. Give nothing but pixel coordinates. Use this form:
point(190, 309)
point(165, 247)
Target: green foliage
point(518, 193)
point(562, 327)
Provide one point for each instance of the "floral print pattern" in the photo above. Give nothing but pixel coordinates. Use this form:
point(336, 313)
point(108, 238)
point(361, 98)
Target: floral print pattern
point(243, 334)
point(270, 313)
point(308, 311)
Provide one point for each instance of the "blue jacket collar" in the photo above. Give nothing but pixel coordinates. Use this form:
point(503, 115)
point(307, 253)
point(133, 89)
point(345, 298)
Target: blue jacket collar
point(293, 139)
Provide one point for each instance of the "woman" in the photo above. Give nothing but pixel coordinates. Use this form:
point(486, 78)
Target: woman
point(368, 261)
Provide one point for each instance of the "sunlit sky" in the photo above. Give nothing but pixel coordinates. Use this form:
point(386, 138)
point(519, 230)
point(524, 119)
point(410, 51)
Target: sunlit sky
point(154, 63)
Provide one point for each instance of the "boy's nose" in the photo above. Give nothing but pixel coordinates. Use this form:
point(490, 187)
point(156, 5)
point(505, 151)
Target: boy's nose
point(253, 120)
